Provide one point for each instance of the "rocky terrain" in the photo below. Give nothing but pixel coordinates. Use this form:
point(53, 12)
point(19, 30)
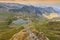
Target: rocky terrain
point(24, 35)
point(44, 19)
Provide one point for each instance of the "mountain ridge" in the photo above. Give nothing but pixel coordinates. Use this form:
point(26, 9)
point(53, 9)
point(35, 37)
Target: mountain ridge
point(31, 9)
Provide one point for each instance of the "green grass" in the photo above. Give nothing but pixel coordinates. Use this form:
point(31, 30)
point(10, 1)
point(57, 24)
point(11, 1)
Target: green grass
point(6, 35)
point(52, 34)
point(52, 30)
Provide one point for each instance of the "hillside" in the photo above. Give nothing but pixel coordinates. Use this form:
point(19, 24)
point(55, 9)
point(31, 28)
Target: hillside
point(43, 12)
point(51, 16)
point(24, 35)
point(14, 17)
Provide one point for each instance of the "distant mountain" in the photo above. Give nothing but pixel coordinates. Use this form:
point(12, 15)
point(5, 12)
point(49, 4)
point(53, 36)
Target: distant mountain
point(57, 10)
point(11, 5)
point(30, 9)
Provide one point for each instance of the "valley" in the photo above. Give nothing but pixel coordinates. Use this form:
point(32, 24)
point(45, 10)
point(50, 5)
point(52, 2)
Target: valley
point(18, 16)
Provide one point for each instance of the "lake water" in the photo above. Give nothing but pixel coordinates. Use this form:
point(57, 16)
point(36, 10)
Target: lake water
point(20, 21)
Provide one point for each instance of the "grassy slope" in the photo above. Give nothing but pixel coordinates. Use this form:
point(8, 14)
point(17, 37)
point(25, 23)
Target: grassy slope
point(52, 31)
point(6, 32)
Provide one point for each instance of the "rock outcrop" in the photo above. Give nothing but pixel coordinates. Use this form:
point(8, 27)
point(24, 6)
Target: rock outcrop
point(24, 35)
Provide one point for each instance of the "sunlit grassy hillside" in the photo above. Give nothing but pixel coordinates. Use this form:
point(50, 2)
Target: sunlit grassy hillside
point(51, 29)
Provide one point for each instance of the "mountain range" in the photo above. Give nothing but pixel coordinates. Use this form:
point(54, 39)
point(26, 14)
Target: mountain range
point(31, 9)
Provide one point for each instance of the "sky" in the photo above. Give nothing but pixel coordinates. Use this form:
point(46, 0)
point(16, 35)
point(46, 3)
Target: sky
point(55, 3)
point(33, 1)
